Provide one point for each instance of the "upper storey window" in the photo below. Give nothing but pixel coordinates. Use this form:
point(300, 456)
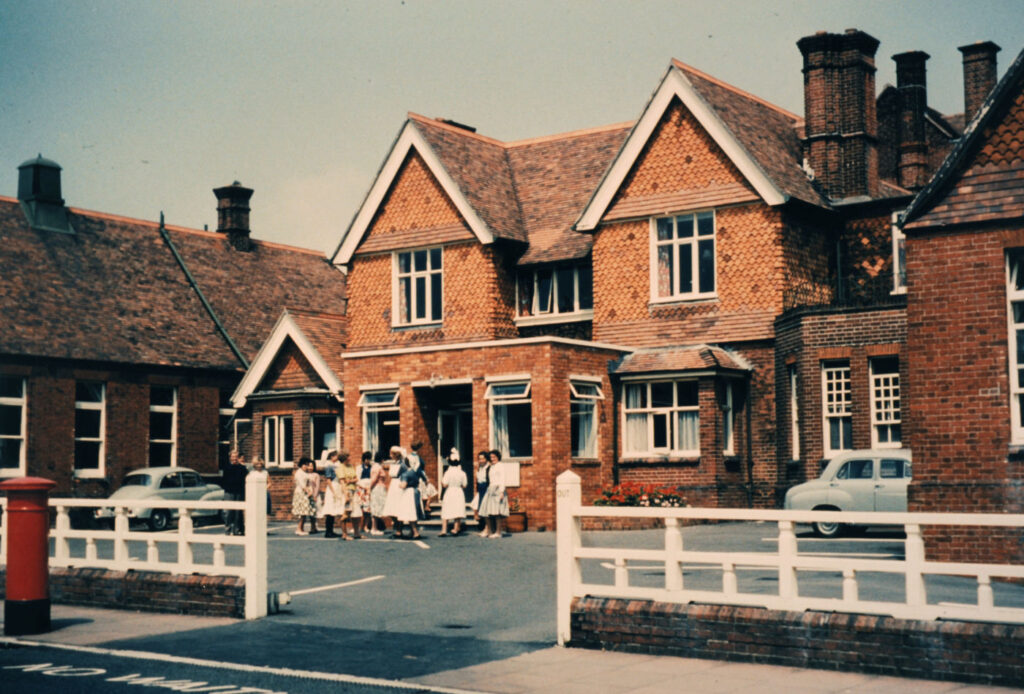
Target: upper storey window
point(683, 257)
point(417, 289)
point(554, 294)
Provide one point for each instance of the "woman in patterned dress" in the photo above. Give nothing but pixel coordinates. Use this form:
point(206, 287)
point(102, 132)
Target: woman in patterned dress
point(302, 501)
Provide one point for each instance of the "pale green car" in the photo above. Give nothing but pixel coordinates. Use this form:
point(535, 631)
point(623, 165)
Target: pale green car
point(172, 483)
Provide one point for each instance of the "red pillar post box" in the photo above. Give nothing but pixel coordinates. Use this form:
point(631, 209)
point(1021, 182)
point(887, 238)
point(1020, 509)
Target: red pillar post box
point(27, 602)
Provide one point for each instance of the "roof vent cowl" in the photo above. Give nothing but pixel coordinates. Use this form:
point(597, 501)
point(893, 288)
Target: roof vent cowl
point(233, 214)
point(39, 195)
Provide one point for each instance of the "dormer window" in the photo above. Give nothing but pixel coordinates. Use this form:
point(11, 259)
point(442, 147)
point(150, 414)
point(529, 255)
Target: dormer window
point(555, 294)
point(417, 296)
point(683, 257)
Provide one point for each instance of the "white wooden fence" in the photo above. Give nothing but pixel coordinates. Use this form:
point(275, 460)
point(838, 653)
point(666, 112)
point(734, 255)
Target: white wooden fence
point(253, 567)
point(786, 562)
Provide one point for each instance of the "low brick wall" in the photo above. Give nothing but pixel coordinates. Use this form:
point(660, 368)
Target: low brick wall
point(148, 591)
point(593, 523)
point(961, 651)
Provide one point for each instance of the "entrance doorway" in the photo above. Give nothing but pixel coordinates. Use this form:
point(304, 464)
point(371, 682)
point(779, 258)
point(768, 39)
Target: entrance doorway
point(455, 430)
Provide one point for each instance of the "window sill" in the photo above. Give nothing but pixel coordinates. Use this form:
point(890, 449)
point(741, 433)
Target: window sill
point(675, 461)
point(1015, 454)
point(12, 472)
point(675, 301)
point(88, 474)
point(402, 327)
point(554, 318)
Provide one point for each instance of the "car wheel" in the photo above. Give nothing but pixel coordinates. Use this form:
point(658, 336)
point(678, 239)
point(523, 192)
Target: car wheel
point(159, 520)
point(827, 529)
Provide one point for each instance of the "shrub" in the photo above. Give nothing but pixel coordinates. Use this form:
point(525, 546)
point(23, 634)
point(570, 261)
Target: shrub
point(636, 494)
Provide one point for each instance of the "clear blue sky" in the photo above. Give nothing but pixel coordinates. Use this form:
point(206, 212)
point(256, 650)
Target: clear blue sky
point(148, 106)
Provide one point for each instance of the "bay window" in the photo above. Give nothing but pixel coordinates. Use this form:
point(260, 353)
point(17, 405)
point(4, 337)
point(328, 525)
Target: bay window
point(683, 256)
point(662, 418)
point(511, 417)
point(417, 288)
point(278, 440)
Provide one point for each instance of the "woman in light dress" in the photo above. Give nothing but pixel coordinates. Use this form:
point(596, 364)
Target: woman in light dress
point(352, 516)
point(334, 497)
point(494, 504)
point(453, 505)
point(378, 492)
point(395, 491)
point(302, 499)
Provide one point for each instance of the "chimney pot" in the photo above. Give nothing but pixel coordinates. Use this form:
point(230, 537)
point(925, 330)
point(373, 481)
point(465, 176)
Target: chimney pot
point(979, 75)
point(911, 87)
point(233, 214)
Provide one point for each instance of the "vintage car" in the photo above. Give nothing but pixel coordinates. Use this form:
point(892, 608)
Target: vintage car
point(869, 480)
point(171, 483)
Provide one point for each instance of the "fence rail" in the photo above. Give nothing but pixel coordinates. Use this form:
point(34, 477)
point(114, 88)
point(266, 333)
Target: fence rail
point(785, 563)
point(184, 540)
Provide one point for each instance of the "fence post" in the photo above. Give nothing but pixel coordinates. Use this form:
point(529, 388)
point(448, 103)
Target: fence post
point(568, 500)
point(256, 545)
point(787, 560)
point(673, 547)
point(914, 558)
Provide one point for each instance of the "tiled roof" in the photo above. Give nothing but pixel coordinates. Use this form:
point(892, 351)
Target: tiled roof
point(768, 133)
point(114, 292)
point(327, 333)
point(688, 358)
point(982, 179)
point(731, 327)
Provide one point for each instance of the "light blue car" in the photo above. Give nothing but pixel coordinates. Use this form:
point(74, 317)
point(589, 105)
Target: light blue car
point(172, 483)
point(870, 480)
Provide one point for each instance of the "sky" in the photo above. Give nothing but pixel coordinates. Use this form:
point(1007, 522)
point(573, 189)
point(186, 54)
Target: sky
point(148, 106)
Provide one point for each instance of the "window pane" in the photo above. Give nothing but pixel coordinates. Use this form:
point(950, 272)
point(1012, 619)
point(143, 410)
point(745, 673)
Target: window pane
point(835, 441)
point(172, 481)
point(325, 435)
point(688, 429)
point(687, 391)
point(585, 287)
point(270, 439)
point(87, 455)
point(847, 432)
point(1018, 311)
point(520, 437)
point(87, 424)
point(585, 389)
point(419, 262)
point(895, 433)
point(435, 297)
point(286, 439)
point(524, 282)
point(1016, 265)
point(636, 395)
point(404, 300)
point(706, 249)
point(10, 453)
point(661, 394)
point(190, 479)
point(517, 389)
point(660, 430)
point(684, 227)
point(636, 432)
point(685, 269)
point(421, 297)
point(159, 454)
point(566, 295)
point(88, 392)
point(380, 397)
point(403, 262)
point(11, 387)
point(10, 420)
point(435, 258)
point(664, 229)
point(665, 270)
point(705, 223)
point(161, 395)
point(582, 429)
point(543, 291)
point(161, 425)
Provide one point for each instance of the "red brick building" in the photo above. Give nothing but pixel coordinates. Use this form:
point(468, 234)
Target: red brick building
point(965, 318)
point(122, 340)
point(712, 296)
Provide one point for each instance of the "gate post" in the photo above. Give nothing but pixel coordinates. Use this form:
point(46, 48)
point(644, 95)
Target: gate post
point(27, 600)
point(567, 501)
point(256, 545)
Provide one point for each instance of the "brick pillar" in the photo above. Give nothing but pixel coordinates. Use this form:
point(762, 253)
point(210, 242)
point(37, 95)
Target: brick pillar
point(979, 74)
point(912, 156)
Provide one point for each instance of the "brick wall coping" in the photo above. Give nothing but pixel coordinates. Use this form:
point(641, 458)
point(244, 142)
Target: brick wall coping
point(489, 344)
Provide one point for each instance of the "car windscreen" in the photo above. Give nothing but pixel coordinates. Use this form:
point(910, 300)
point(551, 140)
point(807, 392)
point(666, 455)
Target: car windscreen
point(137, 481)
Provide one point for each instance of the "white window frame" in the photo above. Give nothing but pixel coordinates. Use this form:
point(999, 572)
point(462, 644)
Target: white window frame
point(21, 402)
point(553, 315)
point(397, 319)
point(794, 413)
point(376, 409)
point(581, 396)
point(899, 258)
point(671, 413)
point(282, 456)
point(101, 467)
point(675, 243)
point(836, 399)
point(496, 399)
point(728, 421)
point(337, 432)
point(173, 410)
point(885, 405)
point(1015, 334)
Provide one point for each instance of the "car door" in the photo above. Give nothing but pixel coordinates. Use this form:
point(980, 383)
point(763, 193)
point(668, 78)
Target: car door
point(853, 488)
point(171, 488)
point(193, 488)
point(891, 485)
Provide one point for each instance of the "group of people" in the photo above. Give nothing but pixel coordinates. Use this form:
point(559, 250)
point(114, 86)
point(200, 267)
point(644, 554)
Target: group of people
point(391, 495)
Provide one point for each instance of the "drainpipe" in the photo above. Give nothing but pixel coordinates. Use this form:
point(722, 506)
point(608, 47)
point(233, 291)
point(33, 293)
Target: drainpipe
point(750, 448)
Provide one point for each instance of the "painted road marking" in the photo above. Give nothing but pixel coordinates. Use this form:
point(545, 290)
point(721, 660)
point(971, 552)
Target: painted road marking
point(336, 585)
point(241, 667)
point(421, 544)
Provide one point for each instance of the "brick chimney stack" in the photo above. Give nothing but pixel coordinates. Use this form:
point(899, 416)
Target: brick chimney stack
point(233, 214)
point(979, 75)
point(839, 110)
point(913, 100)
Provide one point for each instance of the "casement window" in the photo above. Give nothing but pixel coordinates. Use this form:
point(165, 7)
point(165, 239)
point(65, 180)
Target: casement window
point(163, 426)
point(794, 414)
point(324, 434)
point(417, 288)
point(225, 428)
point(728, 421)
point(683, 257)
point(13, 426)
point(899, 259)
point(835, 397)
point(555, 293)
point(1015, 316)
point(278, 440)
point(584, 394)
point(885, 402)
point(381, 424)
point(511, 417)
point(90, 429)
point(662, 418)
